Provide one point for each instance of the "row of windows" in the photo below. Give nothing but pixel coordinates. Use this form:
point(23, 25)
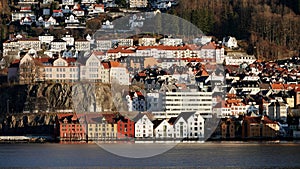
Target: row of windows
point(103, 129)
point(101, 135)
point(78, 129)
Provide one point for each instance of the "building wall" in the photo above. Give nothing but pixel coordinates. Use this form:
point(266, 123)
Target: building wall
point(195, 126)
point(143, 128)
point(177, 102)
point(164, 130)
point(180, 129)
point(71, 131)
point(125, 128)
point(102, 131)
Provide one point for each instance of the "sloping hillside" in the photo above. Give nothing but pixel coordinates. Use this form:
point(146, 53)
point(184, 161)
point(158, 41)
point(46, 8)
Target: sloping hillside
point(271, 27)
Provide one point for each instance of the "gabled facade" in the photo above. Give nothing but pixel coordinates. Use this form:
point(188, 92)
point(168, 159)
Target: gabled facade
point(126, 128)
point(118, 74)
point(230, 42)
point(143, 126)
point(93, 70)
point(99, 127)
point(69, 128)
point(189, 125)
point(58, 45)
point(259, 127)
point(163, 129)
point(62, 70)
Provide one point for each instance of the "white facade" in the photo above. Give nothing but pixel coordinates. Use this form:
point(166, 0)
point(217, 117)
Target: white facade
point(237, 58)
point(58, 45)
point(230, 42)
point(125, 42)
point(119, 75)
point(138, 3)
point(212, 52)
point(67, 2)
point(103, 44)
point(19, 15)
point(189, 125)
point(69, 39)
point(92, 71)
point(177, 102)
point(62, 71)
point(83, 45)
point(30, 44)
point(180, 128)
point(46, 39)
point(171, 41)
point(143, 127)
point(195, 125)
point(203, 40)
point(147, 41)
point(164, 130)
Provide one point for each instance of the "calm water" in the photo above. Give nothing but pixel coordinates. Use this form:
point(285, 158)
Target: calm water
point(207, 155)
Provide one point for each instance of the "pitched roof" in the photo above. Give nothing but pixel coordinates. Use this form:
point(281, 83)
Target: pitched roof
point(114, 64)
point(184, 115)
point(277, 86)
point(172, 120)
point(210, 45)
point(163, 47)
point(140, 115)
point(105, 65)
point(120, 49)
point(157, 122)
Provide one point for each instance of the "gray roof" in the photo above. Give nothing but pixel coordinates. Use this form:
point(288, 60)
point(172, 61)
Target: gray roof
point(184, 115)
point(140, 115)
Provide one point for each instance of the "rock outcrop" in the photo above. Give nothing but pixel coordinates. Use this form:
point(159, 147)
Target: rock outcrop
point(49, 97)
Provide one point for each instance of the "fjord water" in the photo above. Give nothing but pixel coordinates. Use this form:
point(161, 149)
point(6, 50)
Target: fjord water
point(186, 155)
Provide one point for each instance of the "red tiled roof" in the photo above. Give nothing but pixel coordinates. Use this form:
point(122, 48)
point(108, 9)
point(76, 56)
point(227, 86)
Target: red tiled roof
point(210, 45)
point(43, 60)
point(114, 64)
point(163, 47)
point(105, 65)
point(99, 5)
point(109, 118)
point(16, 61)
point(26, 8)
point(277, 86)
point(192, 59)
point(62, 115)
point(57, 11)
point(139, 93)
point(204, 73)
point(70, 60)
point(120, 49)
point(98, 53)
point(142, 74)
point(258, 120)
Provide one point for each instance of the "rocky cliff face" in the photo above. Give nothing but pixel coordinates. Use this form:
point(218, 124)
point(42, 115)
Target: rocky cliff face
point(49, 97)
point(32, 108)
point(23, 124)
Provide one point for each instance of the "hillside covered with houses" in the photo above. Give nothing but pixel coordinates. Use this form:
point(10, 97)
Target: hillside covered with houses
point(58, 74)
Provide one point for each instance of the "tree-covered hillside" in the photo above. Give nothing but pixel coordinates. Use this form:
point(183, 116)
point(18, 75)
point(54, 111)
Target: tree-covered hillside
point(272, 27)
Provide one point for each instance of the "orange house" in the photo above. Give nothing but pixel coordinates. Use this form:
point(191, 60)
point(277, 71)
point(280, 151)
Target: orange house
point(69, 128)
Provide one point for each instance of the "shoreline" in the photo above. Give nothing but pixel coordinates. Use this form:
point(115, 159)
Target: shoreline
point(252, 141)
